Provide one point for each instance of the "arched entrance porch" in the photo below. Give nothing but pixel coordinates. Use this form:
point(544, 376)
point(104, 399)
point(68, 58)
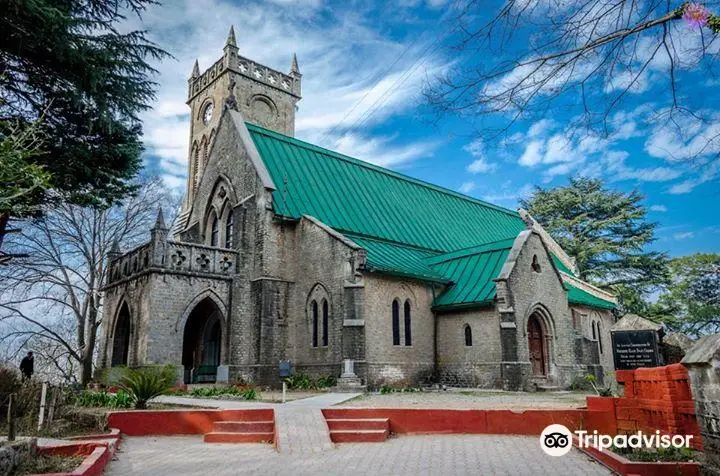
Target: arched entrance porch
point(121, 337)
point(202, 343)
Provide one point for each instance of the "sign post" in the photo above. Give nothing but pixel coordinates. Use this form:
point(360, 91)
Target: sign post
point(634, 349)
point(285, 371)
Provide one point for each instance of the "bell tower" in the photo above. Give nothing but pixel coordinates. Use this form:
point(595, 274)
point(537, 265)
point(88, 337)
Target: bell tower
point(264, 96)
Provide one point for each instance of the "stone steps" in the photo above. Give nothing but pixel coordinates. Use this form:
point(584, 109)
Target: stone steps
point(251, 431)
point(229, 437)
point(358, 430)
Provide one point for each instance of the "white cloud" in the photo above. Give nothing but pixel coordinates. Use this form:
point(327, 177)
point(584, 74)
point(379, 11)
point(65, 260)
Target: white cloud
point(540, 127)
point(684, 235)
point(658, 208)
point(379, 150)
point(710, 171)
point(682, 137)
point(506, 193)
point(533, 154)
point(480, 164)
point(342, 61)
point(467, 187)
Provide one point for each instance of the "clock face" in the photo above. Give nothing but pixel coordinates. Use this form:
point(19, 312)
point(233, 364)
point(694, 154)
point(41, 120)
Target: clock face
point(207, 114)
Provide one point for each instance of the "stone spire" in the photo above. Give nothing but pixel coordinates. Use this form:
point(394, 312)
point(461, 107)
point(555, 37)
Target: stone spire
point(114, 250)
point(294, 69)
point(196, 70)
point(160, 221)
point(231, 37)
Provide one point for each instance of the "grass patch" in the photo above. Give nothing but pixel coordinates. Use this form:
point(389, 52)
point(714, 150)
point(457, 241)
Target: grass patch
point(40, 463)
point(660, 455)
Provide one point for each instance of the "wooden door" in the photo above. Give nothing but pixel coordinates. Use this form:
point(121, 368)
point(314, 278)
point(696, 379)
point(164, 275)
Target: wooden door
point(536, 346)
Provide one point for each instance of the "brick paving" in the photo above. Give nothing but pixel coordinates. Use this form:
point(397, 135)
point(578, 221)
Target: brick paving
point(304, 447)
point(404, 455)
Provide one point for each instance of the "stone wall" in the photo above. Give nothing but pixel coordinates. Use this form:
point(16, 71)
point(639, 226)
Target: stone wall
point(523, 291)
point(12, 454)
point(398, 364)
point(703, 364)
point(477, 365)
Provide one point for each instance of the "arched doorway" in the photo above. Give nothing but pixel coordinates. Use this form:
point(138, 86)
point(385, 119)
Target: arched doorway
point(121, 337)
point(536, 345)
point(202, 342)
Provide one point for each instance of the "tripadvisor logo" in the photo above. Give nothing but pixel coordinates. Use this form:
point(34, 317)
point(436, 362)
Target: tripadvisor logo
point(556, 440)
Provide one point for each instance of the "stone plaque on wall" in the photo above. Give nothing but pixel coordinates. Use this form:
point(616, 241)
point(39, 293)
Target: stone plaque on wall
point(634, 349)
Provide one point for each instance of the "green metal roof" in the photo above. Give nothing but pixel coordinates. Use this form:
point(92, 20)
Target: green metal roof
point(473, 273)
point(398, 259)
point(409, 227)
point(353, 196)
point(579, 296)
point(561, 266)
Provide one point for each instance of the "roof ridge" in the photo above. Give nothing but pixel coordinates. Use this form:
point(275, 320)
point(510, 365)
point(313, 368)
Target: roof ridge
point(386, 240)
point(471, 250)
point(377, 168)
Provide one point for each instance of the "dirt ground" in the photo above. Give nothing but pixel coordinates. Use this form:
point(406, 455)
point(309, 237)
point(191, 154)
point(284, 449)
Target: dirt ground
point(467, 399)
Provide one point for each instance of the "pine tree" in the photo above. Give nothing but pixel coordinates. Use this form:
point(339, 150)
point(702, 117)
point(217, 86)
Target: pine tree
point(606, 231)
point(66, 69)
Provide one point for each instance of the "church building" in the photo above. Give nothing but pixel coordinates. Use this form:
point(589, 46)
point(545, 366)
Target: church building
point(285, 250)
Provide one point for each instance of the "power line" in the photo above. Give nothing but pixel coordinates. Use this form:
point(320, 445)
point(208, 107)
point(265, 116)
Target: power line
point(396, 85)
point(357, 103)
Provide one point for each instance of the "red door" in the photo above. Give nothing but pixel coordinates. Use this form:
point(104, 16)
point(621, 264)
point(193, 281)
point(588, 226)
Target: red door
point(535, 344)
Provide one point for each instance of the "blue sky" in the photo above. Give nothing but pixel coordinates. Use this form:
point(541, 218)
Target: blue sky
point(364, 66)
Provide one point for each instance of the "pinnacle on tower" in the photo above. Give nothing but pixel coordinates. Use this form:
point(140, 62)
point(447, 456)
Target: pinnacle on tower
point(231, 37)
point(196, 70)
point(115, 248)
point(294, 69)
point(160, 221)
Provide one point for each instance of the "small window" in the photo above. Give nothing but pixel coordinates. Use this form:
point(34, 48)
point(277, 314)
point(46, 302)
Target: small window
point(396, 322)
point(408, 324)
point(535, 264)
point(215, 230)
point(594, 334)
point(229, 228)
point(599, 337)
point(325, 323)
point(468, 335)
point(314, 311)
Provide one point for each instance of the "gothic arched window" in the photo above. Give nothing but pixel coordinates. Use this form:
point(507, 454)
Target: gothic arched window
point(599, 337)
point(408, 324)
point(229, 230)
point(468, 335)
point(396, 322)
point(314, 311)
point(205, 151)
point(325, 322)
point(214, 230)
point(594, 334)
point(196, 166)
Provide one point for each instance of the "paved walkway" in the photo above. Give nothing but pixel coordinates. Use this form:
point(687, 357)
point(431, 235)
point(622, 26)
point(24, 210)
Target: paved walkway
point(299, 424)
point(404, 455)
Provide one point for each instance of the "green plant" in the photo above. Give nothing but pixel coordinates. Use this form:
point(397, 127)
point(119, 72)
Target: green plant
point(326, 382)
point(250, 394)
point(605, 390)
point(299, 382)
point(385, 389)
point(145, 383)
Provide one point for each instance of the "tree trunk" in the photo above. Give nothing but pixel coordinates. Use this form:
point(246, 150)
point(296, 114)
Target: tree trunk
point(4, 218)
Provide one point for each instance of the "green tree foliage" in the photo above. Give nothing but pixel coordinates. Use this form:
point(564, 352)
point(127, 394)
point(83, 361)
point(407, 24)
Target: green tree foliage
point(606, 231)
point(691, 302)
point(64, 61)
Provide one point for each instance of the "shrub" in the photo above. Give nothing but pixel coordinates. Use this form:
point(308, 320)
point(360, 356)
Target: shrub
point(146, 383)
point(88, 398)
point(241, 392)
point(326, 382)
point(303, 382)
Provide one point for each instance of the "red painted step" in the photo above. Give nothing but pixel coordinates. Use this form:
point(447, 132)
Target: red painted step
point(228, 437)
point(243, 426)
point(359, 436)
point(358, 424)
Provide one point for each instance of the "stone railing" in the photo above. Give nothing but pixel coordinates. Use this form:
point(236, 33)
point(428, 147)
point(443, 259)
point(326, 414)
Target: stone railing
point(173, 256)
